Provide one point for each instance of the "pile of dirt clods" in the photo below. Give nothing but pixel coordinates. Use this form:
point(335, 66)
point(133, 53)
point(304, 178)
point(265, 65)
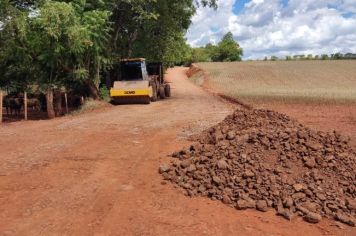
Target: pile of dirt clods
point(262, 159)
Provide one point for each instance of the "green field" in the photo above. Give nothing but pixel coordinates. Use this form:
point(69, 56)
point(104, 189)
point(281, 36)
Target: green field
point(287, 81)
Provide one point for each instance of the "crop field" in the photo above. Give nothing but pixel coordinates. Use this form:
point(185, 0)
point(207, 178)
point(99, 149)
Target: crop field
point(286, 81)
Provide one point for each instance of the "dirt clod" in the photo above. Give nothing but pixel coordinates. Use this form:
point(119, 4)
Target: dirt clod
point(298, 187)
point(286, 213)
point(245, 204)
point(312, 218)
point(345, 219)
point(260, 159)
point(261, 205)
point(164, 168)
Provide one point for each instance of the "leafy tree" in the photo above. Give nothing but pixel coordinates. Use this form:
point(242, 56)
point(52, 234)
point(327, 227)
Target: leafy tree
point(57, 35)
point(324, 57)
point(161, 38)
point(69, 42)
point(200, 55)
point(15, 54)
point(71, 45)
point(337, 56)
point(210, 3)
point(95, 56)
point(212, 51)
point(309, 57)
point(228, 49)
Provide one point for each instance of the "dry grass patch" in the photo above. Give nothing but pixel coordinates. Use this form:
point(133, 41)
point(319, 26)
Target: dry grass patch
point(286, 81)
point(90, 105)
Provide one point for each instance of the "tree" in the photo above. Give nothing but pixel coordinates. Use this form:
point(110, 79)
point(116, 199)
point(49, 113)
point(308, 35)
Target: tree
point(55, 37)
point(212, 51)
point(337, 56)
point(200, 55)
point(70, 45)
point(227, 49)
point(324, 57)
point(161, 38)
point(16, 57)
point(274, 58)
point(95, 57)
point(64, 43)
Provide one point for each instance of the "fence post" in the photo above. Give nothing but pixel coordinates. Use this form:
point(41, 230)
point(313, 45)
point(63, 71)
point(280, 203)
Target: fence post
point(25, 105)
point(66, 101)
point(1, 99)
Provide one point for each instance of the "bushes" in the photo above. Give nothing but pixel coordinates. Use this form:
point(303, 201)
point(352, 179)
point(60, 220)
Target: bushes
point(226, 50)
point(105, 94)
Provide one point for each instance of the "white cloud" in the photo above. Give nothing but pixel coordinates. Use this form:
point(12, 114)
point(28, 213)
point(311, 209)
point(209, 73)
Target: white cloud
point(266, 27)
point(208, 25)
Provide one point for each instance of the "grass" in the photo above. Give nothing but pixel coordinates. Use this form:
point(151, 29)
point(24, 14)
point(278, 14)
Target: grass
point(286, 81)
point(89, 105)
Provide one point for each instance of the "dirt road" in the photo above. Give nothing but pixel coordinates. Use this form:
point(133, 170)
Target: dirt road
point(96, 174)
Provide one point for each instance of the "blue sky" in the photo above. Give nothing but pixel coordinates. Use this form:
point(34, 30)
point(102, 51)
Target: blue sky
point(239, 6)
point(279, 27)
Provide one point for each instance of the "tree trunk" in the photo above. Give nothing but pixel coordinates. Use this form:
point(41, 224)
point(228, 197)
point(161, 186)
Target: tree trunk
point(1, 99)
point(49, 99)
point(66, 102)
point(94, 90)
point(97, 75)
point(25, 105)
point(58, 103)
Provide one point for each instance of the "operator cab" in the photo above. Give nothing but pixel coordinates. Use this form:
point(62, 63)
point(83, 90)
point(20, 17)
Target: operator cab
point(133, 70)
point(156, 69)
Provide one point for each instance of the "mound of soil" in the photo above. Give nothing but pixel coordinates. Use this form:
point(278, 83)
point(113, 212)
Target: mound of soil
point(262, 159)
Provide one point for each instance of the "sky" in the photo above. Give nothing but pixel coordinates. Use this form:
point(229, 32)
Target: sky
point(279, 27)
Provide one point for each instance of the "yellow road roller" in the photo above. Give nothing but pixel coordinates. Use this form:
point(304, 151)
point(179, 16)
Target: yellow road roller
point(139, 82)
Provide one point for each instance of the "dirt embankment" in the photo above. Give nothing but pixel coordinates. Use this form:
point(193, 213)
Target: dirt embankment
point(202, 79)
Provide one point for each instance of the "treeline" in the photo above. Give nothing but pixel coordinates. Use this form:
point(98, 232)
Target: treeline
point(336, 56)
point(47, 45)
point(226, 50)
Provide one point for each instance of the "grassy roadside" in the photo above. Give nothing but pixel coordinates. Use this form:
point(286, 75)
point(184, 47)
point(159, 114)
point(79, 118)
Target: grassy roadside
point(90, 105)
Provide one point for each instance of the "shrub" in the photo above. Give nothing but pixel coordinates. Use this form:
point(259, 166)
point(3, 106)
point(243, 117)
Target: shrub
point(105, 93)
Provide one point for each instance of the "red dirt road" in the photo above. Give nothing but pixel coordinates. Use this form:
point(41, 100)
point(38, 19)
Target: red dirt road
point(96, 174)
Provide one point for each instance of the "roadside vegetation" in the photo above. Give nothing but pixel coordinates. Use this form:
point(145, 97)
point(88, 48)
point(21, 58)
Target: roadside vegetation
point(304, 81)
point(48, 46)
point(334, 56)
point(226, 50)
